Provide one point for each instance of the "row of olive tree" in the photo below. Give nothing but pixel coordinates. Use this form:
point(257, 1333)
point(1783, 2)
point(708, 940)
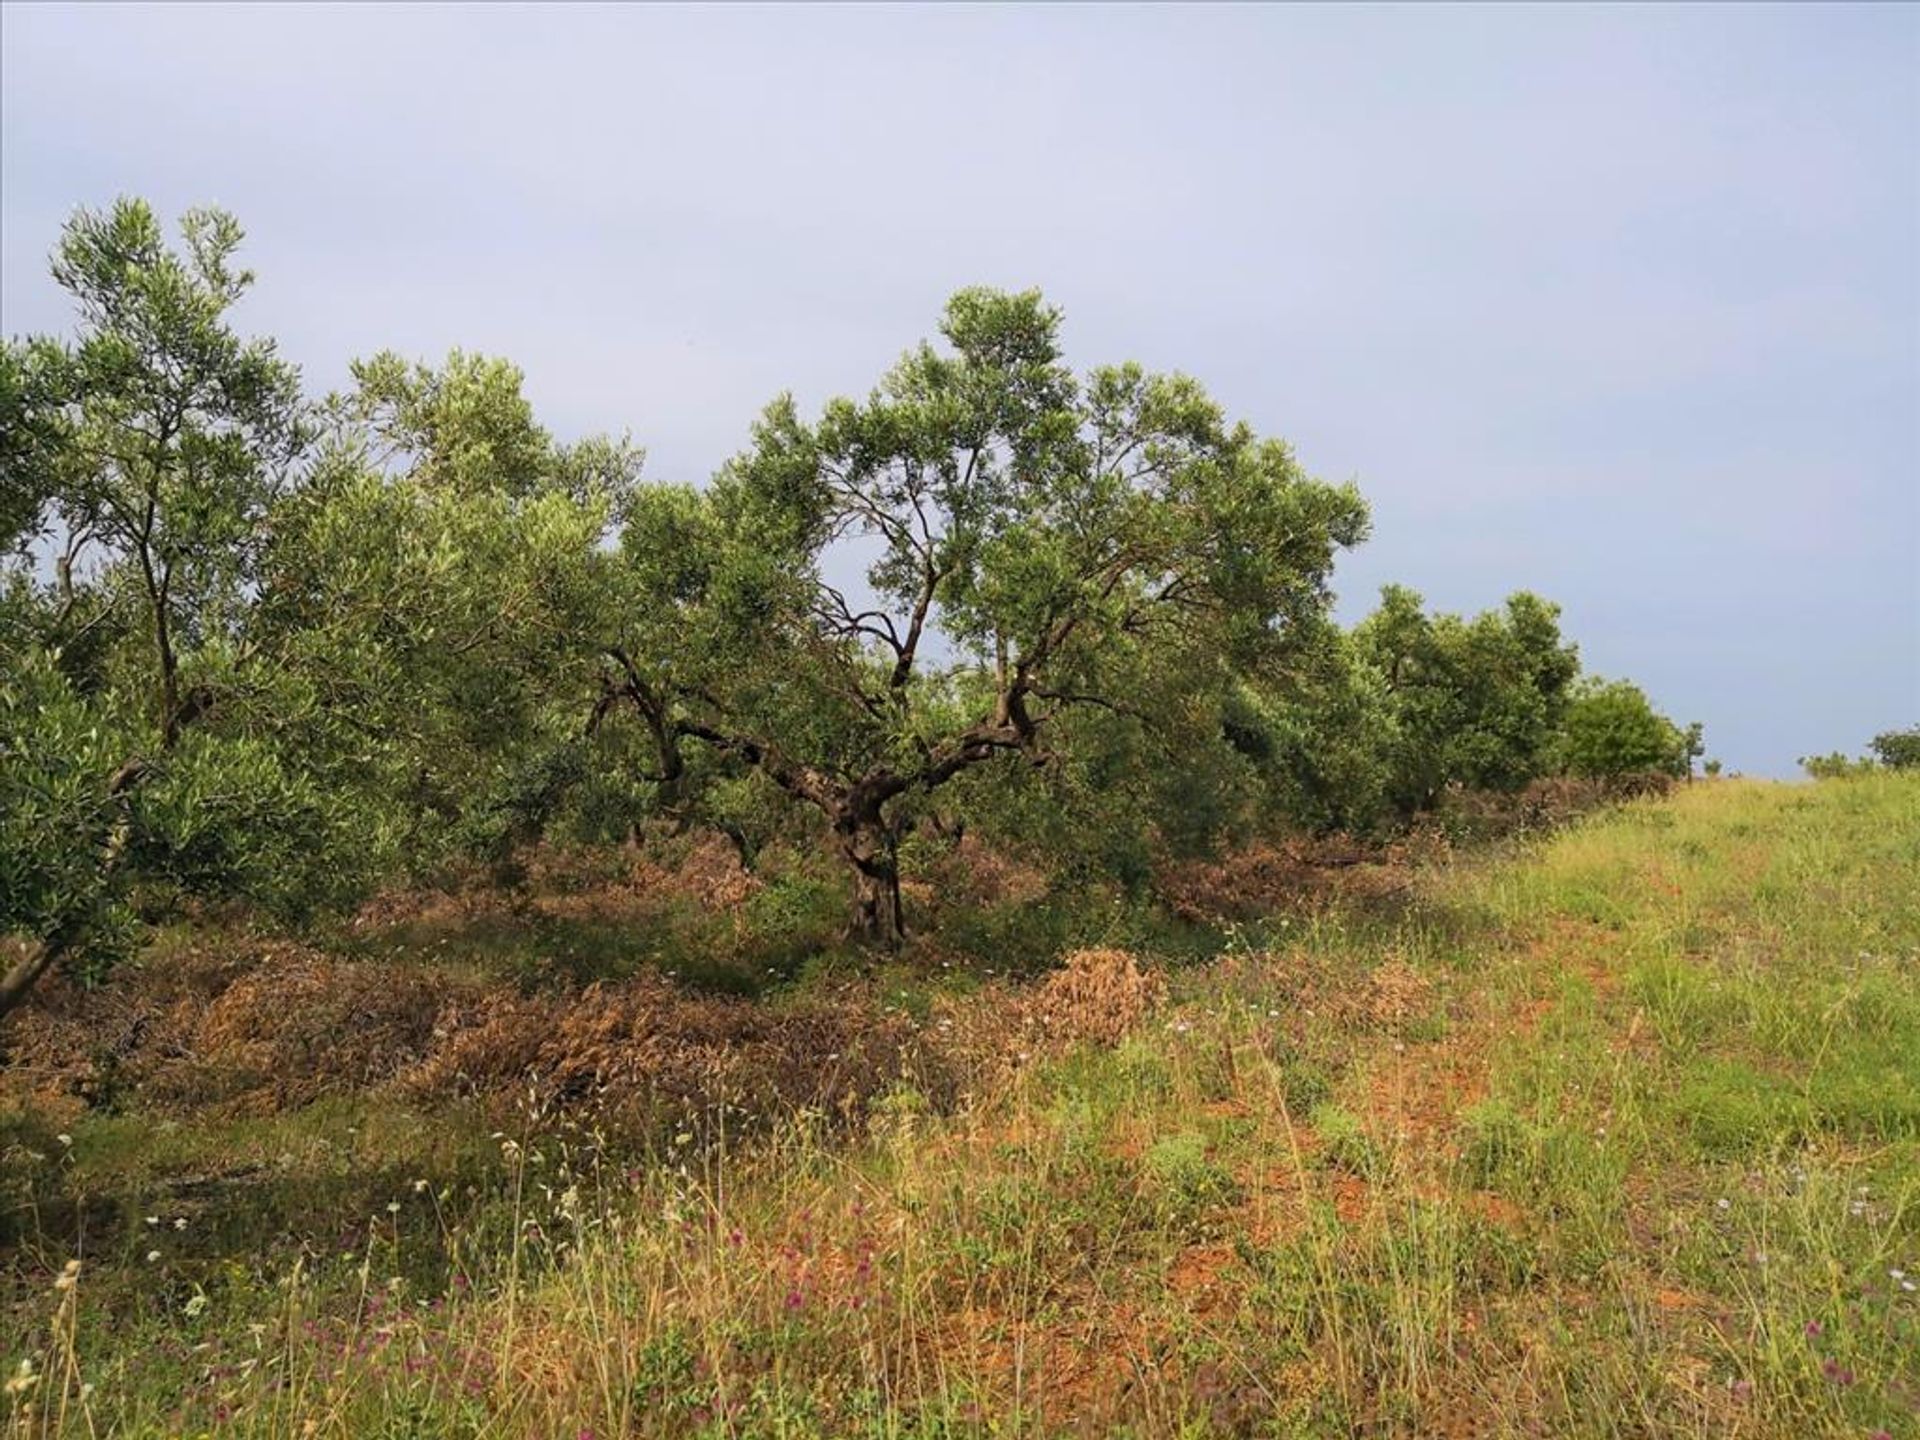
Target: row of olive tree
point(1890, 750)
point(260, 647)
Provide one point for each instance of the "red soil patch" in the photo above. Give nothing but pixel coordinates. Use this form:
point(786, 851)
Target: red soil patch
point(1497, 1209)
point(1352, 1199)
point(1198, 1277)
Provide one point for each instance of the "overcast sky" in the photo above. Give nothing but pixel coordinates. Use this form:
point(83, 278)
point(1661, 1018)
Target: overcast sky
point(1618, 304)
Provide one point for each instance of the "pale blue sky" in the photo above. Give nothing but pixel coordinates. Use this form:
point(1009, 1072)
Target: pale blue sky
point(1619, 304)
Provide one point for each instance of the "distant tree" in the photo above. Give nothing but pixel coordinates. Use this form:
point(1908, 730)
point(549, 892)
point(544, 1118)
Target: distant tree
point(1835, 765)
point(1036, 546)
point(1693, 746)
point(1897, 749)
point(1612, 731)
point(1713, 768)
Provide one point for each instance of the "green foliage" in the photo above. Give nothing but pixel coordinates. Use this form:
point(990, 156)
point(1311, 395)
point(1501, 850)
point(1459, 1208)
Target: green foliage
point(1897, 749)
point(177, 435)
point(56, 812)
point(1321, 730)
point(1187, 1181)
point(301, 663)
point(1061, 546)
point(1347, 1145)
point(33, 433)
point(1612, 731)
point(1473, 702)
point(1835, 765)
point(155, 445)
point(1892, 750)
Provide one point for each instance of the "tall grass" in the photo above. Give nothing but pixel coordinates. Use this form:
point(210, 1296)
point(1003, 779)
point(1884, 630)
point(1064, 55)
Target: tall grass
point(1616, 1137)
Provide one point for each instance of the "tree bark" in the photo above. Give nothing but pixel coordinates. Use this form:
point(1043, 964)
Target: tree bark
point(868, 845)
point(21, 977)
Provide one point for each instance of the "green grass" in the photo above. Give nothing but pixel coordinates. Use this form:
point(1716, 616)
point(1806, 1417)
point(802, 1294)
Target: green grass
point(1615, 1136)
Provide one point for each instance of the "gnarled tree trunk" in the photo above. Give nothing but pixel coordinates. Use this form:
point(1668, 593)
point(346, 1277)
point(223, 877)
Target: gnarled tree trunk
point(867, 842)
point(20, 978)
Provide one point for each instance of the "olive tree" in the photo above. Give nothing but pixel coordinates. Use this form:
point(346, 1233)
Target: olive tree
point(863, 606)
point(1612, 731)
point(1474, 702)
point(261, 648)
point(142, 459)
point(1897, 749)
point(441, 574)
point(1320, 727)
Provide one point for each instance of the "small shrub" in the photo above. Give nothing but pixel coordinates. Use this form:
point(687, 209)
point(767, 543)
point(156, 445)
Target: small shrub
point(1497, 1140)
point(1186, 1180)
point(1345, 1143)
point(1304, 1084)
point(1731, 1110)
point(299, 1026)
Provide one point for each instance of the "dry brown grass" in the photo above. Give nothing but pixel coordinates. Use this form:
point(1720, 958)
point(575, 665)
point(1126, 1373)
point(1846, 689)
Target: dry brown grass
point(972, 874)
point(700, 871)
point(1544, 804)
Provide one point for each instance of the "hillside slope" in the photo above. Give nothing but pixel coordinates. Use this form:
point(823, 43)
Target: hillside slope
point(1616, 1137)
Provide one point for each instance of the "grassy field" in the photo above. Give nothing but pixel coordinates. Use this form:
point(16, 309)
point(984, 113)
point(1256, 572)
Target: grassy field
point(1617, 1135)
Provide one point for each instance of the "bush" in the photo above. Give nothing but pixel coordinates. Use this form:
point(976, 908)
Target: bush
point(1897, 749)
point(1835, 766)
point(1612, 732)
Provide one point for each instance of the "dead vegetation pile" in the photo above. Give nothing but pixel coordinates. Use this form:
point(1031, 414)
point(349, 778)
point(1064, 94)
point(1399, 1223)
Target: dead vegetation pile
point(247, 1027)
point(269, 1027)
point(698, 872)
point(643, 1049)
point(970, 875)
point(1096, 997)
point(233, 1023)
point(299, 1026)
point(1540, 805)
point(1387, 998)
point(296, 1026)
point(1266, 878)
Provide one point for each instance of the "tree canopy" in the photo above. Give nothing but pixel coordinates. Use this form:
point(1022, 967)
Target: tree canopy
point(1037, 544)
point(1473, 702)
point(1612, 731)
point(278, 648)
